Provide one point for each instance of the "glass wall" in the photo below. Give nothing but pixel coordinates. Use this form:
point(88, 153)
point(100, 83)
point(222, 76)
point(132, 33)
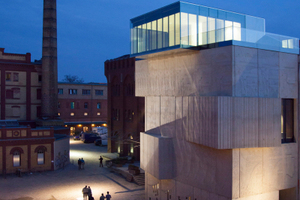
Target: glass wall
point(184, 25)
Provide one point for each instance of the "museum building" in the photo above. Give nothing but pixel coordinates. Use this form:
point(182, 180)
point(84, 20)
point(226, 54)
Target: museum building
point(221, 105)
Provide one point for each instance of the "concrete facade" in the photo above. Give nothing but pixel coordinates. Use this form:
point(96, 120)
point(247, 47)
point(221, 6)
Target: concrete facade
point(213, 124)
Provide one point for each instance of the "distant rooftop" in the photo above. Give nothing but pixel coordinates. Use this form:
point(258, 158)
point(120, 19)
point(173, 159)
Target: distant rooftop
point(186, 25)
point(90, 83)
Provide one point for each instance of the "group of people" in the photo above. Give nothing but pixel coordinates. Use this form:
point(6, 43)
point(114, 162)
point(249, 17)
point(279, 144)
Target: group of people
point(87, 194)
point(80, 163)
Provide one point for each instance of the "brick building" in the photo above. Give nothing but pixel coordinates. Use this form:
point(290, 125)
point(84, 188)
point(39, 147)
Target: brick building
point(20, 87)
point(125, 111)
point(82, 106)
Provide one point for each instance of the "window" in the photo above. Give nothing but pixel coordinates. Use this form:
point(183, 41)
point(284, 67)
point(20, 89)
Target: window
point(98, 105)
point(14, 93)
point(85, 129)
point(72, 105)
point(86, 114)
point(86, 105)
point(15, 77)
point(40, 157)
point(99, 92)
point(38, 111)
point(38, 93)
point(86, 92)
point(72, 91)
point(8, 76)
point(98, 113)
point(60, 91)
point(72, 130)
point(58, 114)
point(287, 120)
point(16, 111)
point(40, 78)
point(72, 114)
point(17, 159)
point(58, 105)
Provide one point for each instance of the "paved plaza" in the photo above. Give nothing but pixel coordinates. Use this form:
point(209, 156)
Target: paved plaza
point(67, 183)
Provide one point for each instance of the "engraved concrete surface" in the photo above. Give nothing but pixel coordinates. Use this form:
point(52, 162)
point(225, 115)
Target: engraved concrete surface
point(67, 183)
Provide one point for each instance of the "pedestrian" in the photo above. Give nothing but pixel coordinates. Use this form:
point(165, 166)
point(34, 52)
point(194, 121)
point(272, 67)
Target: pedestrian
point(82, 163)
point(101, 159)
point(79, 164)
point(85, 192)
point(102, 197)
point(89, 191)
point(108, 196)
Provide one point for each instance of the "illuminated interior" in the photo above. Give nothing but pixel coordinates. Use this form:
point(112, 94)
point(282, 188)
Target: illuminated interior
point(185, 25)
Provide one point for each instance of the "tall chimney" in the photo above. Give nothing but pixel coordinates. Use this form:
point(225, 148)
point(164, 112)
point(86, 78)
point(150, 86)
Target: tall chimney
point(49, 61)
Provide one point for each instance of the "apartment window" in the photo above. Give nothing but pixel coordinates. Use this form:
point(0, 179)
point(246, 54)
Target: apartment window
point(15, 77)
point(8, 76)
point(86, 105)
point(13, 93)
point(98, 105)
point(40, 78)
point(98, 113)
point(38, 93)
point(16, 159)
point(86, 114)
point(72, 105)
point(58, 114)
point(99, 92)
point(287, 120)
point(86, 92)
point(72, 91)
point(58, 105)
point(60, 91)
point(38, 111)
point(72, 114)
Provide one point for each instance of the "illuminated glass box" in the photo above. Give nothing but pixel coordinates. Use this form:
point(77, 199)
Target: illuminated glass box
point(186, 25)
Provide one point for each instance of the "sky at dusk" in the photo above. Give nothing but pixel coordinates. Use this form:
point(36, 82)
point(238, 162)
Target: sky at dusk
point(92, 31)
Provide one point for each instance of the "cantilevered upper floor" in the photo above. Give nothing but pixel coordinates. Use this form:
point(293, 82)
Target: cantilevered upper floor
point(186, 25)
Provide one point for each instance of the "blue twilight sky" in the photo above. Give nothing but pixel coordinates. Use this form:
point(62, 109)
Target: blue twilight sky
point(92, 31)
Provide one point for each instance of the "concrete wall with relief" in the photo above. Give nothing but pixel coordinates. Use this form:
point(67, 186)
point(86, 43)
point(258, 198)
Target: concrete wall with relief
point(221, 107)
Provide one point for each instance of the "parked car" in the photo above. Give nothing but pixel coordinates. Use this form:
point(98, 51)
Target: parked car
point(89, 137)
point(76, 137)
point(100, 142)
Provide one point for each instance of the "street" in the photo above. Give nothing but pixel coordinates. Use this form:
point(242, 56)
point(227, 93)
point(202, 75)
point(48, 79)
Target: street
point(67, 183)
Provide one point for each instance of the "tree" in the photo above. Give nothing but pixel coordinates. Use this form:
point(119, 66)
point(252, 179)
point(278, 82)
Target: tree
point(72, 79)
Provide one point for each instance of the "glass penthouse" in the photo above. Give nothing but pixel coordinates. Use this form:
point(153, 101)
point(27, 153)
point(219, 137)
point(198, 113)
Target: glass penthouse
point(186, 25)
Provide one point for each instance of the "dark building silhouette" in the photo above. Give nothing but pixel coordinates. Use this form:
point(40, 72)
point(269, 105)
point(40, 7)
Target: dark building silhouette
point(126, 117)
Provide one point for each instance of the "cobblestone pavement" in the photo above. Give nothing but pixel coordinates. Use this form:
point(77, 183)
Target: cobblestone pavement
point(65, 184)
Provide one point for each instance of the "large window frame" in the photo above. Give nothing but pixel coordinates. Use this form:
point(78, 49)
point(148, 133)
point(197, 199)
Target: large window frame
point(287, 121)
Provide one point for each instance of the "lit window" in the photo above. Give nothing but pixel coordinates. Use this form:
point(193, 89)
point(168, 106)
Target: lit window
point(85, 114)
point(16, 159)
point(72, 91)
point(72, 114)
point(86, 92)
point(58, 114)
point(40, 157)
point(98, 113)
point(8, 76)
point(99, 92)
point(16, 77)
point(60, 91)
point(98, 105)
point(72, 105)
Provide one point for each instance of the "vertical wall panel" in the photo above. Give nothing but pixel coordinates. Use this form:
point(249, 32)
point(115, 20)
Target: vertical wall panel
point(179, 118)
point(225, 122)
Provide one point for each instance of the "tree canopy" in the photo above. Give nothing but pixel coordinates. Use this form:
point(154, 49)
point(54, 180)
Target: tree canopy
point(72, 79)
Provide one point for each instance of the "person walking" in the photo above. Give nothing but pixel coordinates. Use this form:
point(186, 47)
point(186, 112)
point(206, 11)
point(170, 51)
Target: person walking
point(101, 159)
point(85, 192)
point(79, 164)
point(82, 163)
point(108, 196)
point(89, 192)
point(102, 197)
